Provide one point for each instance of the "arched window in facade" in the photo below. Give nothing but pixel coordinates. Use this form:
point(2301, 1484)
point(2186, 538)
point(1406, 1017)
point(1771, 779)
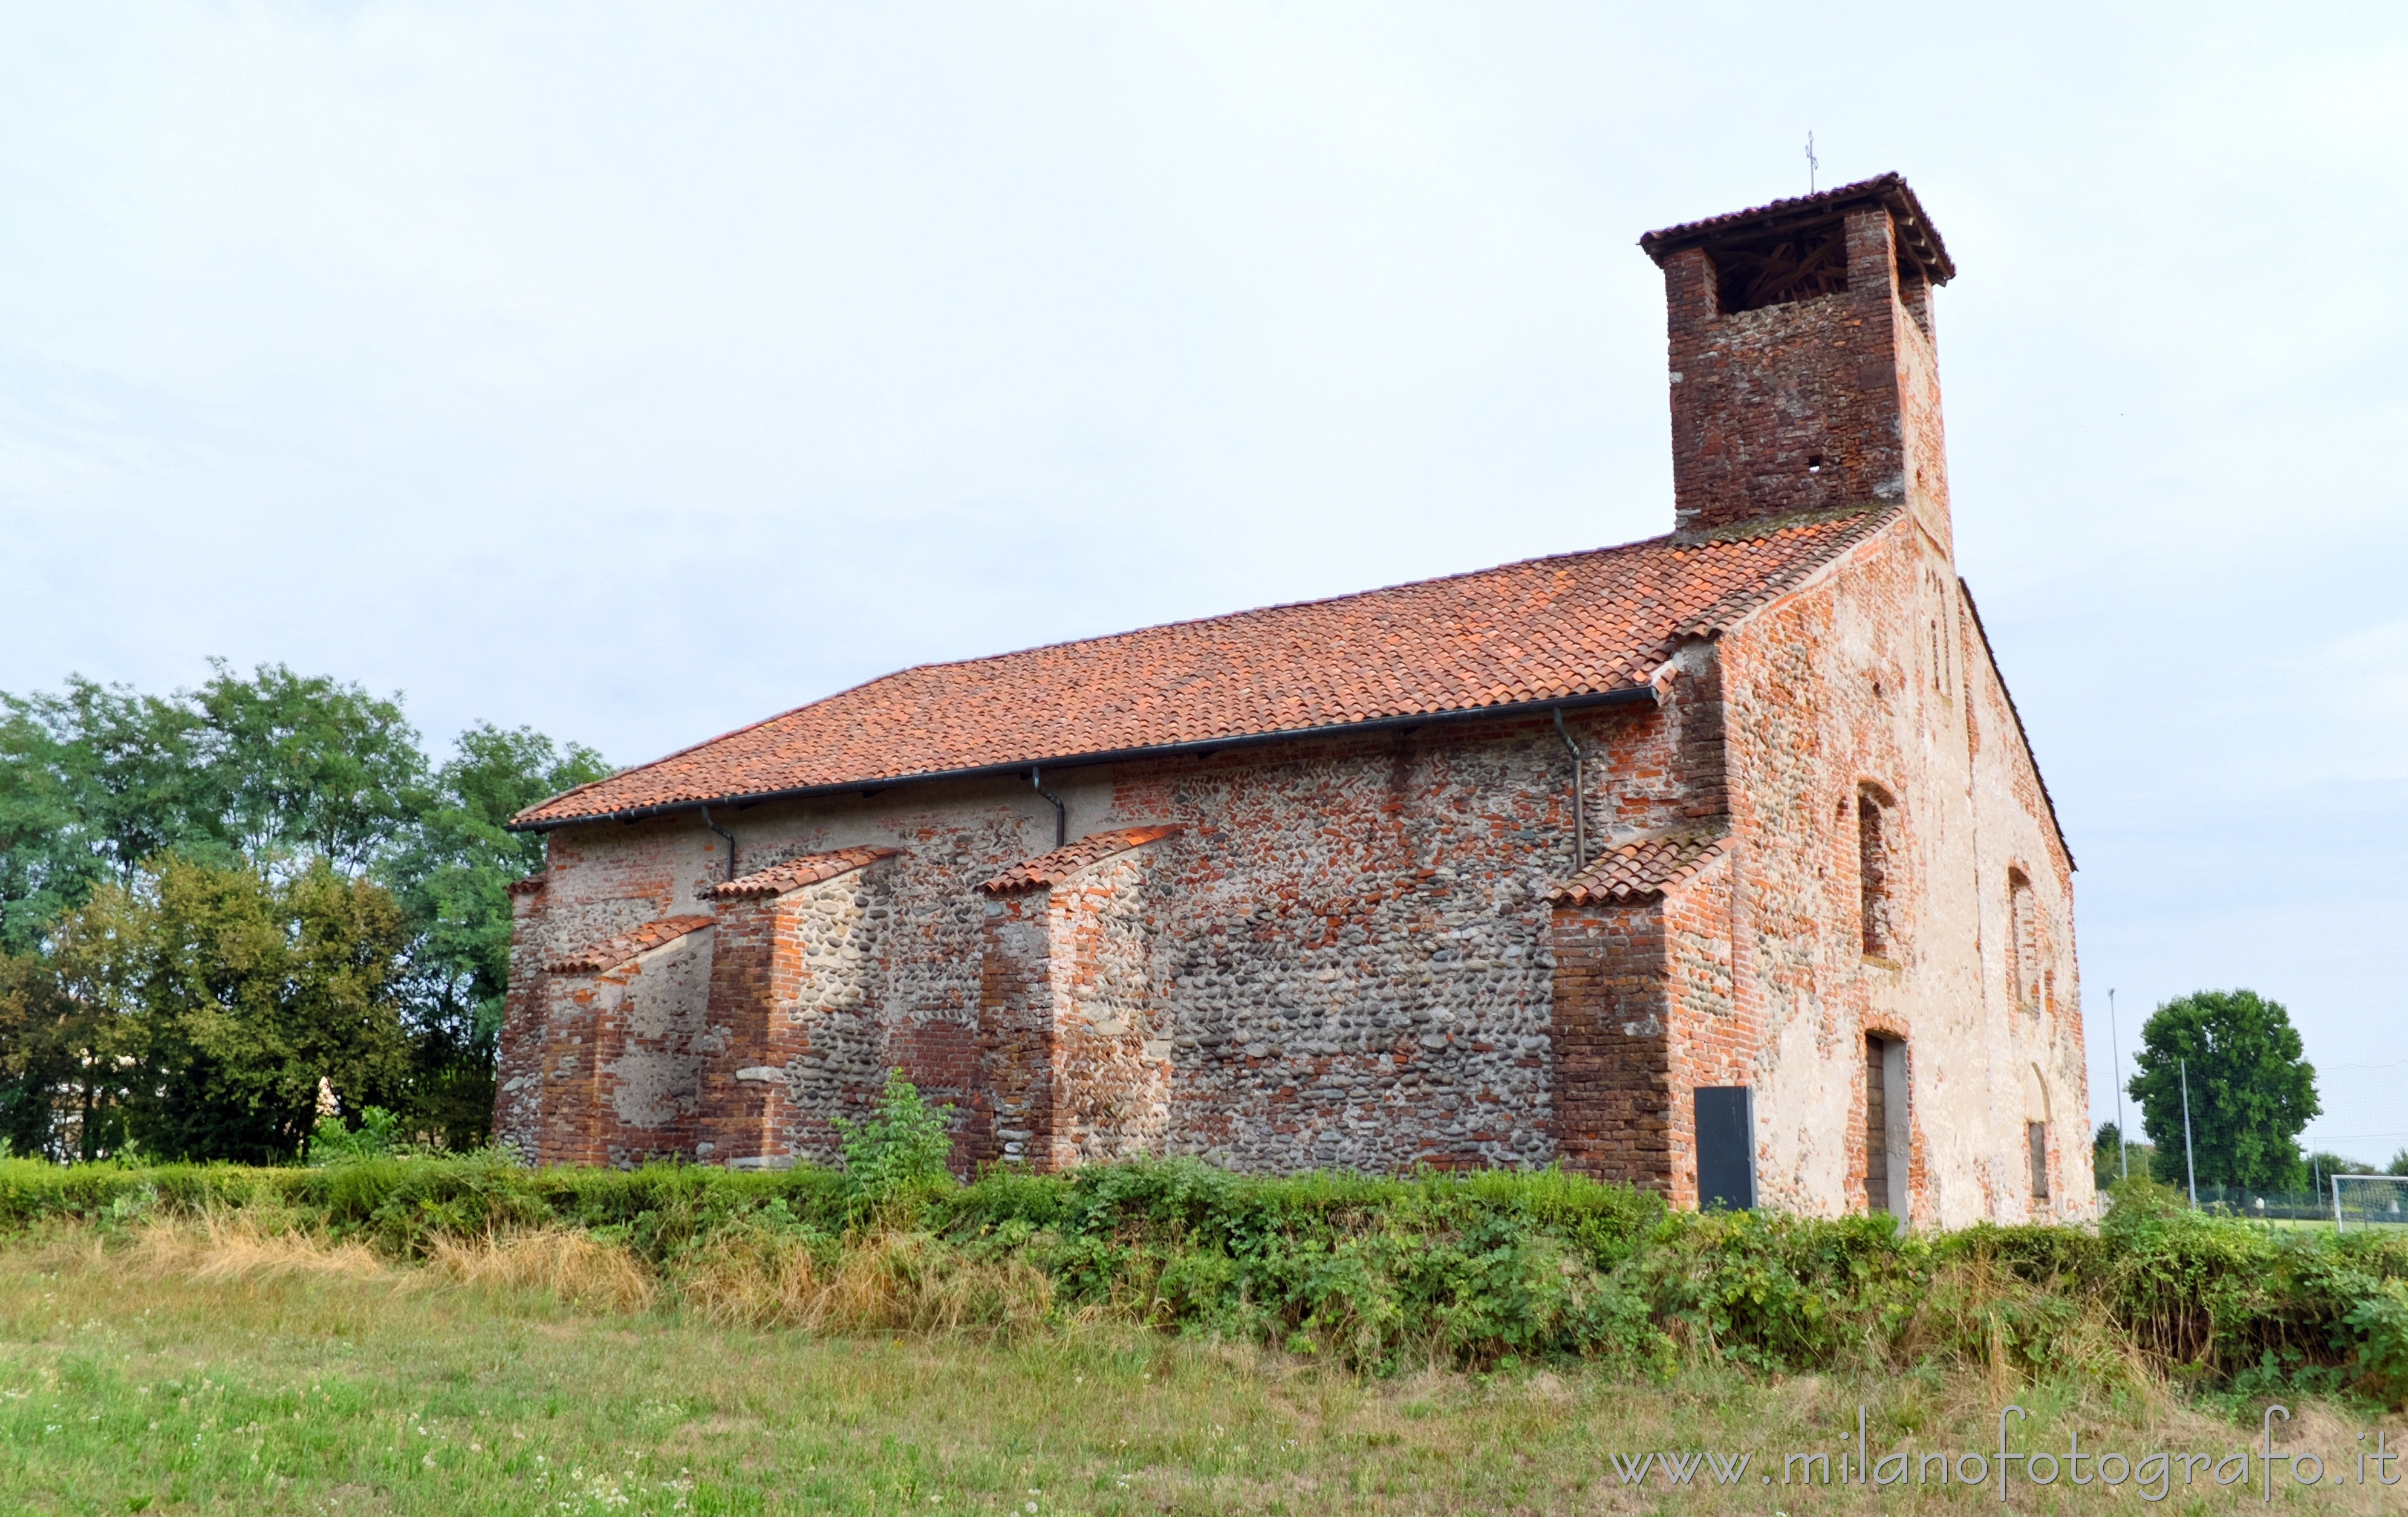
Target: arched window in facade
point(2036, 1130)
point(2025, 965)
point(1876, 864)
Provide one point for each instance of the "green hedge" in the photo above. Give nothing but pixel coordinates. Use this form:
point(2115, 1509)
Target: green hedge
point(1471, 1269)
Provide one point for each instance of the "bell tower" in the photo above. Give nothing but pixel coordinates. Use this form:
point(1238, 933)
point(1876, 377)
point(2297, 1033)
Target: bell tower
point(1804, 374)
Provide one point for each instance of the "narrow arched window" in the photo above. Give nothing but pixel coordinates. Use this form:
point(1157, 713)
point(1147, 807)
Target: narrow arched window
point(1875, 864)
point(2024, 967)
point(2036, 1130)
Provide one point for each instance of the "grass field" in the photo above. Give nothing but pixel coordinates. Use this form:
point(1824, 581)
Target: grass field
point(171, 1370)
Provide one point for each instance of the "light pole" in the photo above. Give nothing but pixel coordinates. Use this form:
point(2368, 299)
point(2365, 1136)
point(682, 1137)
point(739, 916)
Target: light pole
point(2115, 1052)
point(2190, 1165)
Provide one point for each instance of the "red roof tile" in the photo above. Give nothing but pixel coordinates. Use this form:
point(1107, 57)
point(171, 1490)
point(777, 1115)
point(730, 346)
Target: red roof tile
point(1647, 867)
point(1054, 868)
point(1546, 629)
point(612, 952)
point(809, 869)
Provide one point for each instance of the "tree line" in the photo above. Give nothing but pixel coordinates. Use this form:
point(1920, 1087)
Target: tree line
point(2251, 1092)
point(226, 909)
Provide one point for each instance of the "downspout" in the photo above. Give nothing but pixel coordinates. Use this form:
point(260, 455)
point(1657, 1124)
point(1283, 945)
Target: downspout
point(1061, 812)
point(723, 833)
point(1580, 799)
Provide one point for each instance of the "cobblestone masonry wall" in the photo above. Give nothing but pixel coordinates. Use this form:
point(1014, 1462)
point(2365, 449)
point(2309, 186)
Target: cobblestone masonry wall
point(621, 1061)
point(518, 1075)
point(1015, 1100)
point(795, 1003)
point(1073, 1018)
point(1348, 959)
point(1111, 1008)
point(1355, 971)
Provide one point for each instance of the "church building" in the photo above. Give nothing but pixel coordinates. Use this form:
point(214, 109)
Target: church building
point(1717, 863)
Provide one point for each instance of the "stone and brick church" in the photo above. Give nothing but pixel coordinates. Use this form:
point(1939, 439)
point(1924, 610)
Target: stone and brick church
point(1717, 862)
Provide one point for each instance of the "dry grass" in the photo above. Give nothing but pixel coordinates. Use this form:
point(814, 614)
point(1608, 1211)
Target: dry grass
point(219, 1247)
point(1978, 1315)
point(892, 1281)
point(567, 1264)
point(248, 1369)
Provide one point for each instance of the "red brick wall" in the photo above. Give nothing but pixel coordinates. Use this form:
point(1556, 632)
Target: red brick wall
point(617, 1057)
point(1840, 686)
point(1826, 403)
point(1611, 1037)
point(1355, 970)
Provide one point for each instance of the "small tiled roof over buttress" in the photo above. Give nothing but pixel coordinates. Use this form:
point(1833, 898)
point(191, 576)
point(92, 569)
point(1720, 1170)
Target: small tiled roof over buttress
point(1054, 868)
point(809, 869)
point(1546, 629)
point(1643, 867)
point(614, 951)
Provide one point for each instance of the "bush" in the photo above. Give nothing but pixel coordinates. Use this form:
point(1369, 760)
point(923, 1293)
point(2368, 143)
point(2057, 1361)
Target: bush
point(1380, 1275)
point(903, 1146)
point(377, 1137)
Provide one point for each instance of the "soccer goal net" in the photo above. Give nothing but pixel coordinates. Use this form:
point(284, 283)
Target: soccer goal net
point(2370, 1200)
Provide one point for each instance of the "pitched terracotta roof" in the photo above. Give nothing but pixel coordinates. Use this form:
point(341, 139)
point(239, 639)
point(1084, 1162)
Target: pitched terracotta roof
point(809, 869)
point(1644, 866)
point(1546, 629)
point(1916, 236)
point(1052, 868)
point(614, 951)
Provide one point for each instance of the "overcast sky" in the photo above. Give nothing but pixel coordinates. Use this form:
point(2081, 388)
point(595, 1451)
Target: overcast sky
point(639, 372)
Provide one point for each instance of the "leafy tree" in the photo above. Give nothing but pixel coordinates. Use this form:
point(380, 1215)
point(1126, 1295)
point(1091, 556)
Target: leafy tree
point(61, 1094)
point(451, 874)
point(281, 777)
point(276, 767)
point(2399, 1164)
point(2322, 1163)
point(93, 781)
point(2107, 1163)
point(2251, 1092)
point(306, 766)
point(231, 997)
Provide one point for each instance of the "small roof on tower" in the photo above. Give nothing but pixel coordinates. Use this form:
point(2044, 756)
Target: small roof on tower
point(1918, 240)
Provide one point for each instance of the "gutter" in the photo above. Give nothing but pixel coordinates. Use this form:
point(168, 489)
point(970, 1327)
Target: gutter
point(1623, 696)
point(1580, 799)
point(731, 842)
point(1061, 812)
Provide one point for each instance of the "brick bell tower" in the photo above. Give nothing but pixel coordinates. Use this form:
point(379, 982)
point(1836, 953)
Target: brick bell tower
point(1804, 375)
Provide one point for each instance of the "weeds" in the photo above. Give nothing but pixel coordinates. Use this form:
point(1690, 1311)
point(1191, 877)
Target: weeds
point(1384, 1276)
